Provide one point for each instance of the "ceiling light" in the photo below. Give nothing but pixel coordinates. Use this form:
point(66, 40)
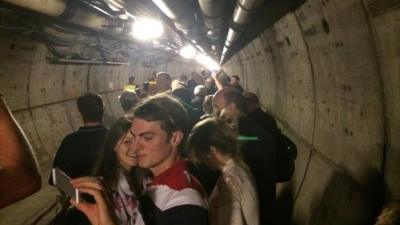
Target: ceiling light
point(147, 29)
point(207, 61)
point(188, 52)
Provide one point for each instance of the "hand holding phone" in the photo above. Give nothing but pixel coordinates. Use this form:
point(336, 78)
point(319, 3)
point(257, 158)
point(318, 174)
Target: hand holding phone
point(62, 181)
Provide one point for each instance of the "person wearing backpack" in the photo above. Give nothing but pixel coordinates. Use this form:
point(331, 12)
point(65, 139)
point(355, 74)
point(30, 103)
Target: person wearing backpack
point(286, 148)
point(258, 148)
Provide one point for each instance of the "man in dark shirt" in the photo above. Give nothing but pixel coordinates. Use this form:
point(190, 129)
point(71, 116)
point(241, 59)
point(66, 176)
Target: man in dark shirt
point(235, 82)
point(258, 149)
point(79, 150)
point(254, 112)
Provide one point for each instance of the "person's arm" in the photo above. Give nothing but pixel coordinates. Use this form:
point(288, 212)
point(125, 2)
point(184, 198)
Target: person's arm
point(98, 213)
point(19, 173)
point(217, 83)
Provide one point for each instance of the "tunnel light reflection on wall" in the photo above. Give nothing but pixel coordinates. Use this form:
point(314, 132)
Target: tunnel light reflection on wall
point(207, 61)
point(188, 52)
point(147, 29)
point(164, 8)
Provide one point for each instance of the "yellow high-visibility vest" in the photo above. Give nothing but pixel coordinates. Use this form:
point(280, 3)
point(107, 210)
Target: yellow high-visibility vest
point(130, 87)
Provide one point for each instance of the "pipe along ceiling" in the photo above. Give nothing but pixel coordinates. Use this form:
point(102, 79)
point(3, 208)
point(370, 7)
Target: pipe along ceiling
point(217, 28)
point(328, 70)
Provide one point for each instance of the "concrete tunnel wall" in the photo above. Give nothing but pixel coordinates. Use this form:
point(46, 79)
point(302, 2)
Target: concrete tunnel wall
point(43, 96)
point(329, 72)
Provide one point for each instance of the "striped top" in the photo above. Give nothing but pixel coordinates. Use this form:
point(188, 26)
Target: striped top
point(175, 197)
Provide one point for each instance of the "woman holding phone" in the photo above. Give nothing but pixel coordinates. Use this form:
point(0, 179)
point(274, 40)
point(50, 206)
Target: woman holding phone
point(116, 174)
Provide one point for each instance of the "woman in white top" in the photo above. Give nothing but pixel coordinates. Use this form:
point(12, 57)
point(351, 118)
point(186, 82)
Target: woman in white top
point(120, 176)
point(234, 200)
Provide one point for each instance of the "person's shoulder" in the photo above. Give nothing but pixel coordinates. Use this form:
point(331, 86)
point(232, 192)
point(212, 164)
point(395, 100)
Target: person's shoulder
point(70, 137)
point(248, 125)
point(91, 130)
point(181, 189)
point(165, 197)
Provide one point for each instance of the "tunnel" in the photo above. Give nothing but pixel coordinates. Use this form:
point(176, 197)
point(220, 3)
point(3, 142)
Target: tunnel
point(327, 70)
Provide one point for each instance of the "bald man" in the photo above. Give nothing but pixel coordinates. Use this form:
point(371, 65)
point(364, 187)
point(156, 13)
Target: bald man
point(163, 82)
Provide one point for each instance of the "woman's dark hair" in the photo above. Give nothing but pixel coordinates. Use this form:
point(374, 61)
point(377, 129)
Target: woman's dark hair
point(212, 132)
point(107, 164)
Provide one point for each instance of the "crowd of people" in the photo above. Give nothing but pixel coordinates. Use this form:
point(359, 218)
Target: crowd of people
point(198, 151)
point(178, 142)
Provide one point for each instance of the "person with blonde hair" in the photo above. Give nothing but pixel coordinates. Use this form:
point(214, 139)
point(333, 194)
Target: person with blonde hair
point(234, 199)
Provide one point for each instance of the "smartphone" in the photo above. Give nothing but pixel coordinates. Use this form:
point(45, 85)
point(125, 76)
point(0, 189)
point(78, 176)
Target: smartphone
point(61, 180)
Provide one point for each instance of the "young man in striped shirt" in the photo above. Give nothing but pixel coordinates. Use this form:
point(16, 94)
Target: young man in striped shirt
point(174, 196)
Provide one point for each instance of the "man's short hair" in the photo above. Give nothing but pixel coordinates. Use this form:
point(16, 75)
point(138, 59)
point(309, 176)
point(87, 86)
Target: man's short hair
point(163, 81)
point(164, 74)
point(131, 79)
point(232, 95)
point(236, 77)
point(128, 100)
point(223, 78)
point(183, 78)
point(91, 107)
point(251, 101)
point(168, 111)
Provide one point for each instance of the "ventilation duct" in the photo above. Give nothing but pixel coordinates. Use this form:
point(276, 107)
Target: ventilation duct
point(74, 15)
point(180, 12)
point(242, 15)
point(212, 16)
point(52, 8)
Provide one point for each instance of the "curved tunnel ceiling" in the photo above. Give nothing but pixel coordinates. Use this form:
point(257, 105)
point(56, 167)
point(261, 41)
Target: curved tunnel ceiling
point(329, 71)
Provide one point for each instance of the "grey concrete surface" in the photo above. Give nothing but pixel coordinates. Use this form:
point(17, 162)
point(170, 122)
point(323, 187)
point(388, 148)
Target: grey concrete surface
point(330, 73)
point(43, 99)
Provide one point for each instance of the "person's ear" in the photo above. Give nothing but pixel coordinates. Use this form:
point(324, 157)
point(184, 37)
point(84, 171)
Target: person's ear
point(176, 138)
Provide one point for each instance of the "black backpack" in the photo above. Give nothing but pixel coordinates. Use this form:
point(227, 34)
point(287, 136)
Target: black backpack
point(285, 156)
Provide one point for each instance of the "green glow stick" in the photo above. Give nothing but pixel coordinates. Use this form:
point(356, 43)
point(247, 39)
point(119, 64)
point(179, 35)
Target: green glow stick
point(247, 138)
